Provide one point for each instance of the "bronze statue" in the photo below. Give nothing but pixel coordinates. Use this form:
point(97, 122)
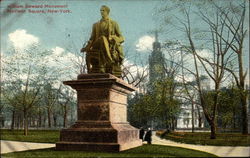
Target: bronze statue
point(104, 52)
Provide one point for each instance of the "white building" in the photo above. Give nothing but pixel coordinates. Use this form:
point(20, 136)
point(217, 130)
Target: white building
point(184, 120)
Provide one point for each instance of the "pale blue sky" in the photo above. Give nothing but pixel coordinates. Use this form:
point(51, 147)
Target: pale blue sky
point(135, 18)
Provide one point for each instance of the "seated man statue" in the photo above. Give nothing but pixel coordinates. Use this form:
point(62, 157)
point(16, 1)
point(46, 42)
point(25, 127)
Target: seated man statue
point(104, 52)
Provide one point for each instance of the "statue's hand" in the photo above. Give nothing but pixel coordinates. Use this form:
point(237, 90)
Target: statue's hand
point(83, 50)
point(112, 37)
point(87, 47)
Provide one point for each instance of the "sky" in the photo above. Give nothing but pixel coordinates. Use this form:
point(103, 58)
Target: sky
point(59, 29)
point(71, 25)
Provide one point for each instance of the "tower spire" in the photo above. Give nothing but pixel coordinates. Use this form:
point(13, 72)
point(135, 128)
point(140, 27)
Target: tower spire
point(156, 36)
point(156, 44)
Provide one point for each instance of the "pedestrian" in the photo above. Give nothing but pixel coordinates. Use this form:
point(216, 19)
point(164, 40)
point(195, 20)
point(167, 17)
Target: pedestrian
point(148, 136)
point(141, 135)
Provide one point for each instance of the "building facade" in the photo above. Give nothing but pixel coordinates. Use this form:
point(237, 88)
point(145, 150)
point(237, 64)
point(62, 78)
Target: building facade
point(157, 72)
point(156, 63)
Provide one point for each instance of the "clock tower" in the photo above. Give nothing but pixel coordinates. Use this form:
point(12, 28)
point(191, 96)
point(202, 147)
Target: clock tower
point(156, 63)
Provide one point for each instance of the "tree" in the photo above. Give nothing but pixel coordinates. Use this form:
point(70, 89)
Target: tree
point(229, 29)
point(140, 113)
point(216, 74)
point(234, 17)
point(157, 106)
point(23, 99)
point(11, 102)
point(186, 89)
point(25, 72)
point(66, 99)
point(50, 96)
point(229, 111)
point(218, 41)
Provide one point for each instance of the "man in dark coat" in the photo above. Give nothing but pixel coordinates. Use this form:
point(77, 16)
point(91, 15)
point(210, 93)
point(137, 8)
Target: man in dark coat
point(148, 136)
point(141, 133)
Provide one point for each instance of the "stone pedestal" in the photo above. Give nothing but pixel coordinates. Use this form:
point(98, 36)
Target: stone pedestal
point(102, 116)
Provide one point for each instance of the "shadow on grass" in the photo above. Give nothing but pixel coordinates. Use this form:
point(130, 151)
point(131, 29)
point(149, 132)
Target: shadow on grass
point(142, 151)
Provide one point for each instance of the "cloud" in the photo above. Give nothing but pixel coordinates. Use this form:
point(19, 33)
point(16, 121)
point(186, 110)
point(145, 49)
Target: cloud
point(21, 39)
point(205, 53)
point(57, 50)
point(145, 43)
point(187, 78)
point(134, 69)
point(58, 59)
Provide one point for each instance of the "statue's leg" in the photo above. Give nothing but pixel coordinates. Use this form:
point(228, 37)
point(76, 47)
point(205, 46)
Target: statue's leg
point(101, 62)
point(105, 57)
point(106, 49)
point(88, 63)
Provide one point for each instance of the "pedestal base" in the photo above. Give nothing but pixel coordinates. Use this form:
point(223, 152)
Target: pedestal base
point(102, 116)
point(112, 138)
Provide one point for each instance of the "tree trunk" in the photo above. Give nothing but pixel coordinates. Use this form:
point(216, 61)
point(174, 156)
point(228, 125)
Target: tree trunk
point(172, 122)
point(21, 122)
point(44, 121)
point(65, 116)
point(234, 119)
point(200, 122)
point(192, 117)
point(39, 119)
point(55, 120)
point(18, 121)
point(243, 96)
point(213, 130)
point(25, 122)
point(244, 114)
point(199, 117)
point(49, 117)
point(13, 120)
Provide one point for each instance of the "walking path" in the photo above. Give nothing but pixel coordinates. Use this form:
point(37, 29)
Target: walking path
point(12, 146)
point(221, 151)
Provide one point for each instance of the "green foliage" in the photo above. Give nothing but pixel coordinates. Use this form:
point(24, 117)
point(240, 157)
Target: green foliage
point(38, 136)
point(143, 151)
point(229, 111)
point(203, 138)
point(141, 110)
point(158, 105)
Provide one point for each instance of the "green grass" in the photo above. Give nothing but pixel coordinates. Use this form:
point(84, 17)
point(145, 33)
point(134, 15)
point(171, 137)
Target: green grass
point(143, 151)
point(52, 136)
point(203, 138)
point(38, 136)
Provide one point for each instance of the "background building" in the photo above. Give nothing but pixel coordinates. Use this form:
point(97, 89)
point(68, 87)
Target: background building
point(156, 62)
point(157, 73)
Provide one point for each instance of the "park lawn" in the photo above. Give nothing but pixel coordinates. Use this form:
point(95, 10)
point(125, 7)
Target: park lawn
point(52, 136)
point(38, 136)
point(142, 151)
point(203, 138)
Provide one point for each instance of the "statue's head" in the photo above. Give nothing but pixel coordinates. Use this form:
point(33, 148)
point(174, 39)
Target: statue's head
point(104, 11)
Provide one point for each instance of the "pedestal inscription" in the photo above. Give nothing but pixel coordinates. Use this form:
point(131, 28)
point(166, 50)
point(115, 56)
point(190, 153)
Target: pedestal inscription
point(102, 116)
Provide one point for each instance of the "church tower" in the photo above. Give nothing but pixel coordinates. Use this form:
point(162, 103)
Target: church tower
point(156, 62)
